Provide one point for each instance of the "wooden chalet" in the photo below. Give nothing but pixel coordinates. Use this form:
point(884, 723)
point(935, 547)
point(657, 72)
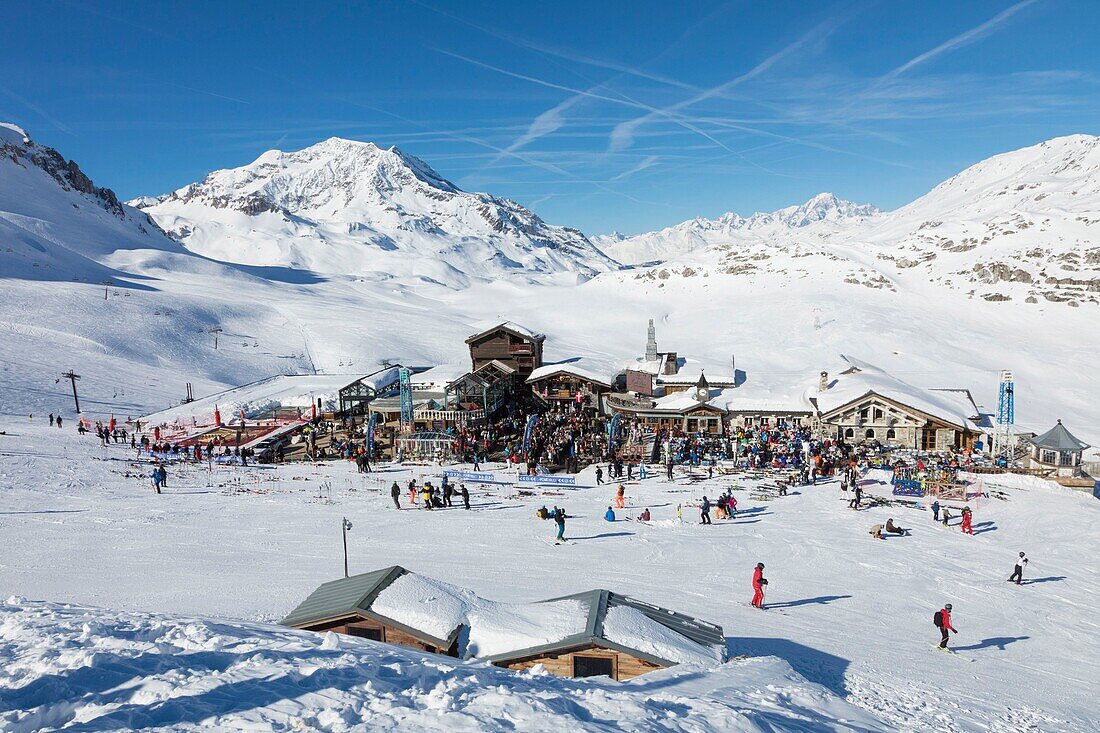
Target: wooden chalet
point(507, 343)
point(680, 412)
point(344, 606)
point(568, 382)
point(597, 651)
point(595, 633)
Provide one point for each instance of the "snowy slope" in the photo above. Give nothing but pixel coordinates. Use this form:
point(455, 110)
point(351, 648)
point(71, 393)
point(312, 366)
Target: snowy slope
point(849, 614)
point(1022, 225)
point(342, 206)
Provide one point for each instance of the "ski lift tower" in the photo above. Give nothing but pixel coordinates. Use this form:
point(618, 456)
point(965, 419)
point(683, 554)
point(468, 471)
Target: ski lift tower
point(1006, 414)
point(405, 387)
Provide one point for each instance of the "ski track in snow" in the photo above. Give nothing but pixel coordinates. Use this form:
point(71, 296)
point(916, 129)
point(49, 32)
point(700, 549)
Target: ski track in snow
point(848, 635)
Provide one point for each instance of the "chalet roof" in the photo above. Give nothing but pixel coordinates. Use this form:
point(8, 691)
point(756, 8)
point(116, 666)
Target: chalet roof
point(343, 597)
point(513, 328)
point(588, 369)
point(628, 625)
point(1059, 439)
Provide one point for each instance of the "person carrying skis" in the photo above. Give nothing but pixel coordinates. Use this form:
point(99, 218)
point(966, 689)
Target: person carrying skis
point(465, 494)
point(942, 620)
point(704, 511)
point(936, 510)
point(395, 491)
point(1018, 571)
point(758, 583)
point(559, 519)
point(966, 519)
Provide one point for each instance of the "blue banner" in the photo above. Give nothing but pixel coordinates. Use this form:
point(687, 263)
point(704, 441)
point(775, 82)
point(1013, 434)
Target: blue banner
point(613, 432)
point(370, 434)
point(531, 421)
point(484, 477)
point(545, 479)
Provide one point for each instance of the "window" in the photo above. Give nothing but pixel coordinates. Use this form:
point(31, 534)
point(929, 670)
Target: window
point(891, 434)
point(870, 433)
point(864, 413)
point(593, 666)
point(878, 413)
point(849, 433)
point(365, 633)
point(1049, 456)
point(1067, 459)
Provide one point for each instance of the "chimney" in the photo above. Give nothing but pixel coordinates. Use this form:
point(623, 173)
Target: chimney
point(824, 383)
point(651, 343)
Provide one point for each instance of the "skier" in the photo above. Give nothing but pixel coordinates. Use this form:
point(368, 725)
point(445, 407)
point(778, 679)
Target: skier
point(1018, 571)
point(395, 491)
point(559, 519)
point(51, 419)
point(609, 515)
point(669, 467)
point(58, 421)
point(758, 583)
point(155, 476)
point(731, 506)
point(942, 619)
point(946, 515)
point(854, 503)
point(704, 511)
point(599, 475)
point(620, 497)
point(465, 493)
point(966, 519)
point(936, 510)
point(412, 492)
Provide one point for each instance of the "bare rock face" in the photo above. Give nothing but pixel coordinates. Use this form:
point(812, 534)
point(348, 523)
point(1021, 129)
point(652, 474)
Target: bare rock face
point(66, 172)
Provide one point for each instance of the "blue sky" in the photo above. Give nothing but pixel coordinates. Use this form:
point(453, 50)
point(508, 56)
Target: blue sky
point(627, 116)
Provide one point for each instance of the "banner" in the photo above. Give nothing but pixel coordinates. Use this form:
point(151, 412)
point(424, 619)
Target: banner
point(484, 477)
point(545, 479)
point(527, 433)
point(370, 434)
point(613, 433)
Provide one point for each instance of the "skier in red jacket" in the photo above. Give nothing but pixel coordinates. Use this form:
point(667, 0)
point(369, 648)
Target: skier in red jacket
point(966, 519)
point(943, 617)
point(758, 583)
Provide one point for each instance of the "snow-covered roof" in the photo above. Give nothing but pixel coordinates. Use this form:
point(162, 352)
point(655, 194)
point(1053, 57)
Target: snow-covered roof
point(508, 326)
point(860, 378)
point(594, 370)
point(434, 610)
point(437, 377)
point(1059, 439)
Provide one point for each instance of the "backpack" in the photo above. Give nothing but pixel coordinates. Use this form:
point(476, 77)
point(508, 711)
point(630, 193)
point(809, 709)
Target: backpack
point(938, 619)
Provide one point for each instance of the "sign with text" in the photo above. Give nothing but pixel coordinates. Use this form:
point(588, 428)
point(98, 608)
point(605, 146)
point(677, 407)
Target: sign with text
point(545, 479)
point(484, 477)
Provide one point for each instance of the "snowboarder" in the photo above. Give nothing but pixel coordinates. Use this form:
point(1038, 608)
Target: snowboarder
point(395, 491)
point(599, 475)
point(609, 515)
point(1018, 571)
point(465, 493)
point(942, 620)
point(559, 519)
point(936, 510)
point(704, 511)
point(966, 519)
point(644, 516)
point(758, 583)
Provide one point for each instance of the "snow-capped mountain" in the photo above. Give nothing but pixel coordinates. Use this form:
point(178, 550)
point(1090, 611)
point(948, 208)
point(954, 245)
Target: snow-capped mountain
point(701, 233)
point(1020, 225)
point(55, 223)
point(349, 207)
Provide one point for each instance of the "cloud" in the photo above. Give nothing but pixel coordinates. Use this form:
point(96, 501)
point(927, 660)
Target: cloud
point(647, 162)
point(622, 136)
point(963, 39)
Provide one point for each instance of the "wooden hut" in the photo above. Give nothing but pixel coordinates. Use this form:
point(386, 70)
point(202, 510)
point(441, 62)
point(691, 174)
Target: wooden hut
point(1058, 451)
point(344, 606)
point(623, 638)
point(508, 343)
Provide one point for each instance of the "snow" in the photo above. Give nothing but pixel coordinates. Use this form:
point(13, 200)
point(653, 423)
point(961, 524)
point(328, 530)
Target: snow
point(851, 616)
point(79, 667)
point(634, 630)
point(438, 609)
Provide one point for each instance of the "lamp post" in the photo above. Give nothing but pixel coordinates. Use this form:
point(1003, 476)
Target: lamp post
point(345, 525)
